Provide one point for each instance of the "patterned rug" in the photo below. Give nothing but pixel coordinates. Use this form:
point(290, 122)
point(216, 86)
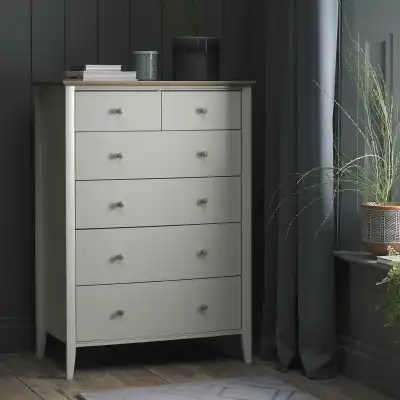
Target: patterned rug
point(246, 388)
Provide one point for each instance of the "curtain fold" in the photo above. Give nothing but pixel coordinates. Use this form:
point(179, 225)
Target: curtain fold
point(299, 307)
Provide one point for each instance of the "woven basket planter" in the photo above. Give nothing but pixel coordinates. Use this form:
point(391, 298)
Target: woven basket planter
point(380, 227)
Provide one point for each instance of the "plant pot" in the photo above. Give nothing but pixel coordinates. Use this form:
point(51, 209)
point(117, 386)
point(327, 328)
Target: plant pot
point(380, 227)
point(196, 58)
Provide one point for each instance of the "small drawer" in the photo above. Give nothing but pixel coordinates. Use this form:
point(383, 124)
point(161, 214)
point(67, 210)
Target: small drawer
point(141, 155)
point(118, 111)
point(156, 202)
point(158, 309)
point(201, 110)
point(109, 256)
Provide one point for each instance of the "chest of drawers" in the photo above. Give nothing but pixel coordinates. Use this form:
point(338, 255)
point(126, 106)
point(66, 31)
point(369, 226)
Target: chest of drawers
point(143, 213)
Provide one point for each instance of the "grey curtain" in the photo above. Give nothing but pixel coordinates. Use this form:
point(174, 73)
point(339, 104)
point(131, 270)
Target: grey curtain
point(299, 308)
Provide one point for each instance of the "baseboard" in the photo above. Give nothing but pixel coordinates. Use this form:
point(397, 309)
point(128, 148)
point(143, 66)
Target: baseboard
point(16, 335)
point(373, 367)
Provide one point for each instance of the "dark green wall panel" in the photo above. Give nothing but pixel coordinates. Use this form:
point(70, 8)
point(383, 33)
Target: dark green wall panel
point(146, 26)
point(238, 25)
point(48, 40)
point(16, 195)
point(113, 39)
point(81, 32)
point(366, 347)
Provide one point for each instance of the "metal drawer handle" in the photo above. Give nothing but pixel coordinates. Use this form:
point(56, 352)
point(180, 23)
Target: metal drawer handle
point(202, 253)
point(201, 110)
point(118, 204)
point(117, 257)
point(118, 111)
point(116, 156)
point(203, 308)
point(203, 201)
point(116, 314)
point(202, 154)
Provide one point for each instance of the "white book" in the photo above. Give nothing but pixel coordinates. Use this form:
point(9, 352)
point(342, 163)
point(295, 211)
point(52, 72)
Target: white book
point(112, 79)
point(126, 76)
point(101, 73)
point(102, 79)
point(108, 73)
point(387, 260)
point(95, 67)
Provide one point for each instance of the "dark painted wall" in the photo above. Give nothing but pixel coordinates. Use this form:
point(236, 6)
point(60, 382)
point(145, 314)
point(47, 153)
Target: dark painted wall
point(16, 205)
point(368, 351)
point(37, 39)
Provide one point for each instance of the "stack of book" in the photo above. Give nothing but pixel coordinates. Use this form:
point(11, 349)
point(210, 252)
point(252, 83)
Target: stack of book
point(98, 73)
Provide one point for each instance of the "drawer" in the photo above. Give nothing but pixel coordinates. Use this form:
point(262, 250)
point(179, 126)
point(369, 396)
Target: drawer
point(158, 309)
point(201, 110)
point(107, 256)
point(129, 203)
point(132, 155)
point(118, 111)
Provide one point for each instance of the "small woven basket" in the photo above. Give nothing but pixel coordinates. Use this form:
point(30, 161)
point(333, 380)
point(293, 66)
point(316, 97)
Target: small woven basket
point(380, 227)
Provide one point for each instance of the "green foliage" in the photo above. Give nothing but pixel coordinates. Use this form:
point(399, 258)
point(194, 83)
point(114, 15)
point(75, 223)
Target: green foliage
point(391, 299)
point(379, 129)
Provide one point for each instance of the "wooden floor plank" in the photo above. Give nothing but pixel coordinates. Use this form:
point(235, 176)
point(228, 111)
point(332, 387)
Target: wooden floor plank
point(24, 377)
point(11, 388)
point(178, 373)
point(96, 381)
point(202, 370)
point(136, 377)
point(84, 380)
point(47, 378)
point(30, 371)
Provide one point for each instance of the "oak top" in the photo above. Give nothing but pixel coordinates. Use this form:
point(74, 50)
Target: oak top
point(161, 83)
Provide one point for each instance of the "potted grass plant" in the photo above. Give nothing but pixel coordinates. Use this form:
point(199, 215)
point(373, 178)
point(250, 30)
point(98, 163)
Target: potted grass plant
point(195, 57)
point(373, 175)
point(377, 178)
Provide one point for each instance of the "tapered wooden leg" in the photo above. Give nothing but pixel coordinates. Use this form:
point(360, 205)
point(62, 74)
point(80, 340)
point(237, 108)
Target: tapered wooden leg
point(70, 359)
point(247, 347)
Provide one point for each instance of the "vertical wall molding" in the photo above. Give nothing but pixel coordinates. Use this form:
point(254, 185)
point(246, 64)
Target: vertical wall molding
point(146, 26)
point(16, 197)
point(81, 39)
point(113, 26)
point(48, 39)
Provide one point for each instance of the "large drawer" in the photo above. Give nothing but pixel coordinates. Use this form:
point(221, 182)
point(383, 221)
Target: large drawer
point(158, 309)
point(131, 155)
point(200, 110)
point(108, 256)
point(118, 111)
point(122, 203)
